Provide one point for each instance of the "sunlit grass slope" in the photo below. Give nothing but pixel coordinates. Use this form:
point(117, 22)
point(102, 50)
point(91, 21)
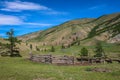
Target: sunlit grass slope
point(22, 69)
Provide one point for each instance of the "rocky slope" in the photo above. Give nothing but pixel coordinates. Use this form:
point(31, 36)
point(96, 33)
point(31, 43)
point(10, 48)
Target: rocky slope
point(29, 36)
point(105, 28)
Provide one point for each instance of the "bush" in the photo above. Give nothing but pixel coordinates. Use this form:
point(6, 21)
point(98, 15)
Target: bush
point(31, 46)
point(84, 52)
point(52, 49)
point(88, 69)
point(99, 50)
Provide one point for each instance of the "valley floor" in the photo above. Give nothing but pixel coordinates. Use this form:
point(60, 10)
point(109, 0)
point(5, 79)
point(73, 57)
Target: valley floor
point(23, 69)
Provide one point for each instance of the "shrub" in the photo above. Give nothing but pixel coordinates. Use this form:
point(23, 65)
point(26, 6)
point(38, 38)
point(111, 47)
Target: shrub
point(84, 52)
point(52, 49)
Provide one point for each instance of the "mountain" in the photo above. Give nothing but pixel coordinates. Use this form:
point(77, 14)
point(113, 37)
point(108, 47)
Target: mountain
point(29, 36)
point(105, 28)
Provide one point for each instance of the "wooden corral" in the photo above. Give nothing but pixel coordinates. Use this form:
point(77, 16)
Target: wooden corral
point(41, 58)
point(52, 59)
point(69, 60)
point(116, 60)
point(97, 60)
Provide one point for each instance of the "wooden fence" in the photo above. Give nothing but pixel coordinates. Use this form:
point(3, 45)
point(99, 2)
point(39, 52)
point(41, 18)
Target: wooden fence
point(52, 59)
point(68, 60)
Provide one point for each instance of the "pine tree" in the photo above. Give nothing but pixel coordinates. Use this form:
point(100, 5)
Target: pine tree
point(52, 49)
point(84, 52)
point(37, 49)
point(12, 42)
point(31, 46)
point(99, 50)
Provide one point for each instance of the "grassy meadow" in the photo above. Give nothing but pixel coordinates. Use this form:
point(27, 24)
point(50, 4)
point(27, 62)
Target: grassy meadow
point(23, 69)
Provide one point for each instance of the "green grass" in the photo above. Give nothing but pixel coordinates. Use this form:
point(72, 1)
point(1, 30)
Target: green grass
point(23, 69)
point(111, 50)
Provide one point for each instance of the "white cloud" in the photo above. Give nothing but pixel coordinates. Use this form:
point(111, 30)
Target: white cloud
point(97, 7)
point(9, 20)
point(37, 24)
point(53, 12)
point(13, 20)
point(20, 6)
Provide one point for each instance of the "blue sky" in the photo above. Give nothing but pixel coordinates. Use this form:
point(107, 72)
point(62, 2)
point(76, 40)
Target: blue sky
point(25, 16)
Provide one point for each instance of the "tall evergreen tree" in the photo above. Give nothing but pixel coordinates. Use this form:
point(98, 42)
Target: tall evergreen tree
point(12, 41)
point(84, 52)
point(99, 50)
